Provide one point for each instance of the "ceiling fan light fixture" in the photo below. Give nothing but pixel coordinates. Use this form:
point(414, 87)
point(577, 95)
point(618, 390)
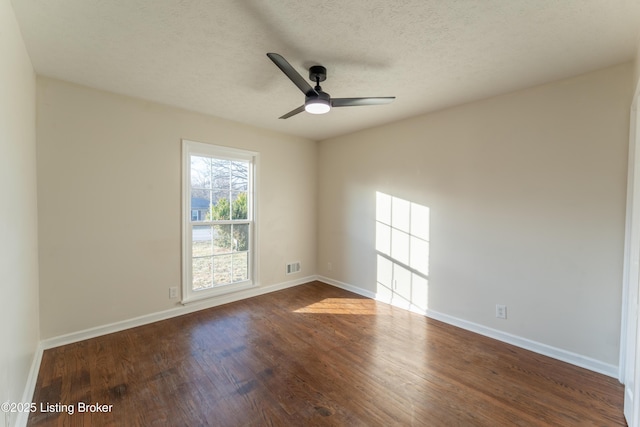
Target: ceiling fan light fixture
point(317, 106)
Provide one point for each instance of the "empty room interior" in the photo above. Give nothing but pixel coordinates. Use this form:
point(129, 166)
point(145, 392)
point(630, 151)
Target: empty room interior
point(407, 213)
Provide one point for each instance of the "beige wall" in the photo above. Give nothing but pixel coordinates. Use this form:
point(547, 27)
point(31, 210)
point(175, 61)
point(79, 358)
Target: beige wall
point(636, 63)
point(636, 66)
point(527, 202)
point(18, 210)
point(109, 203)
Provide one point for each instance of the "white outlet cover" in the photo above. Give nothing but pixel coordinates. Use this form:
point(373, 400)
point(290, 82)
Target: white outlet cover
point(501, 311)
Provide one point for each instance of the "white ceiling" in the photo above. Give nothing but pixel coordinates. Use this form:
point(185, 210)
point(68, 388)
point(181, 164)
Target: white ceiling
point(209, 56)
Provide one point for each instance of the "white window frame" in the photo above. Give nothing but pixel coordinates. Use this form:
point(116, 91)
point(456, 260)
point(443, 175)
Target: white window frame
point(190, 148)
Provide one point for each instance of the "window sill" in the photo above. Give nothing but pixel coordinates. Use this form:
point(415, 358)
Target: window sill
point(198, 296)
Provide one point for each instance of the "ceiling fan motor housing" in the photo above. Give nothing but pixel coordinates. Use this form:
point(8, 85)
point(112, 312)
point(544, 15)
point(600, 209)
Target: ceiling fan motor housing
point(317, 73)
point(322, 95)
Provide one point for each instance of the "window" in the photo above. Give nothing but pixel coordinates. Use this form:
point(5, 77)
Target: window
point(218, 219)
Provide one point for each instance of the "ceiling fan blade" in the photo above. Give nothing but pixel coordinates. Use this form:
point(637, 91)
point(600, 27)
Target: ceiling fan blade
point(293, 75)
point(355, 102)
point(300, 109)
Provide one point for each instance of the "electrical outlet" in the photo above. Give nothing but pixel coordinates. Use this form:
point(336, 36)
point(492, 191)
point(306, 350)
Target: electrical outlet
point(501, 311)
point(173, 292)
point(329, 266)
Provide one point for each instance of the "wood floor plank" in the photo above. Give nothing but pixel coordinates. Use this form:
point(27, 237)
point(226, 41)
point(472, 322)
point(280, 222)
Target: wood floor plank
point(315, 355)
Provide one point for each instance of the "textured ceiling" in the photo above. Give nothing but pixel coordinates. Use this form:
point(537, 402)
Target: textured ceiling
point(209, 56)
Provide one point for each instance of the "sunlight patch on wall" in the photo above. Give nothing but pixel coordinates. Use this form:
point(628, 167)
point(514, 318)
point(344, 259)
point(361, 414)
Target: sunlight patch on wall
point(402, 246)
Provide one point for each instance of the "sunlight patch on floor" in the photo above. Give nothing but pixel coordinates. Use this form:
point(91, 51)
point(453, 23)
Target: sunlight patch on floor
point(359, 306)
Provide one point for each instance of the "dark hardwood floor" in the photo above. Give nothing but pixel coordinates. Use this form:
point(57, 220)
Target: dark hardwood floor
point(315, 355)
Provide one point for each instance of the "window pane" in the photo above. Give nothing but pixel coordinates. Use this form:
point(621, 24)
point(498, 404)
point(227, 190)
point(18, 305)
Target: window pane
point(240, 237)
point(200, 172)
point(202, 241)
point(220, 170)
point(220, 211)
point(222, 269)
point(221, 239)
point(240, 176)
point(240, 267)
point(202, 273)
point(239, 206)
point(200, 201)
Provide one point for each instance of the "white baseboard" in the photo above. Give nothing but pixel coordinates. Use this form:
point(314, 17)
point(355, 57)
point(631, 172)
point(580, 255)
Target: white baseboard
point(30, 387)
point(537, 347)
point(348, 287)
point(167, 314)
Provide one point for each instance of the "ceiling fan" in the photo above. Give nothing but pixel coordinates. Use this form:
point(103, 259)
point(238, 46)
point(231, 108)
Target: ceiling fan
point(316, 100)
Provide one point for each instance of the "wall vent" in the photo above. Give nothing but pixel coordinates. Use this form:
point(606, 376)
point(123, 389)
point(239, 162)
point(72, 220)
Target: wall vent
point(293, 267)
